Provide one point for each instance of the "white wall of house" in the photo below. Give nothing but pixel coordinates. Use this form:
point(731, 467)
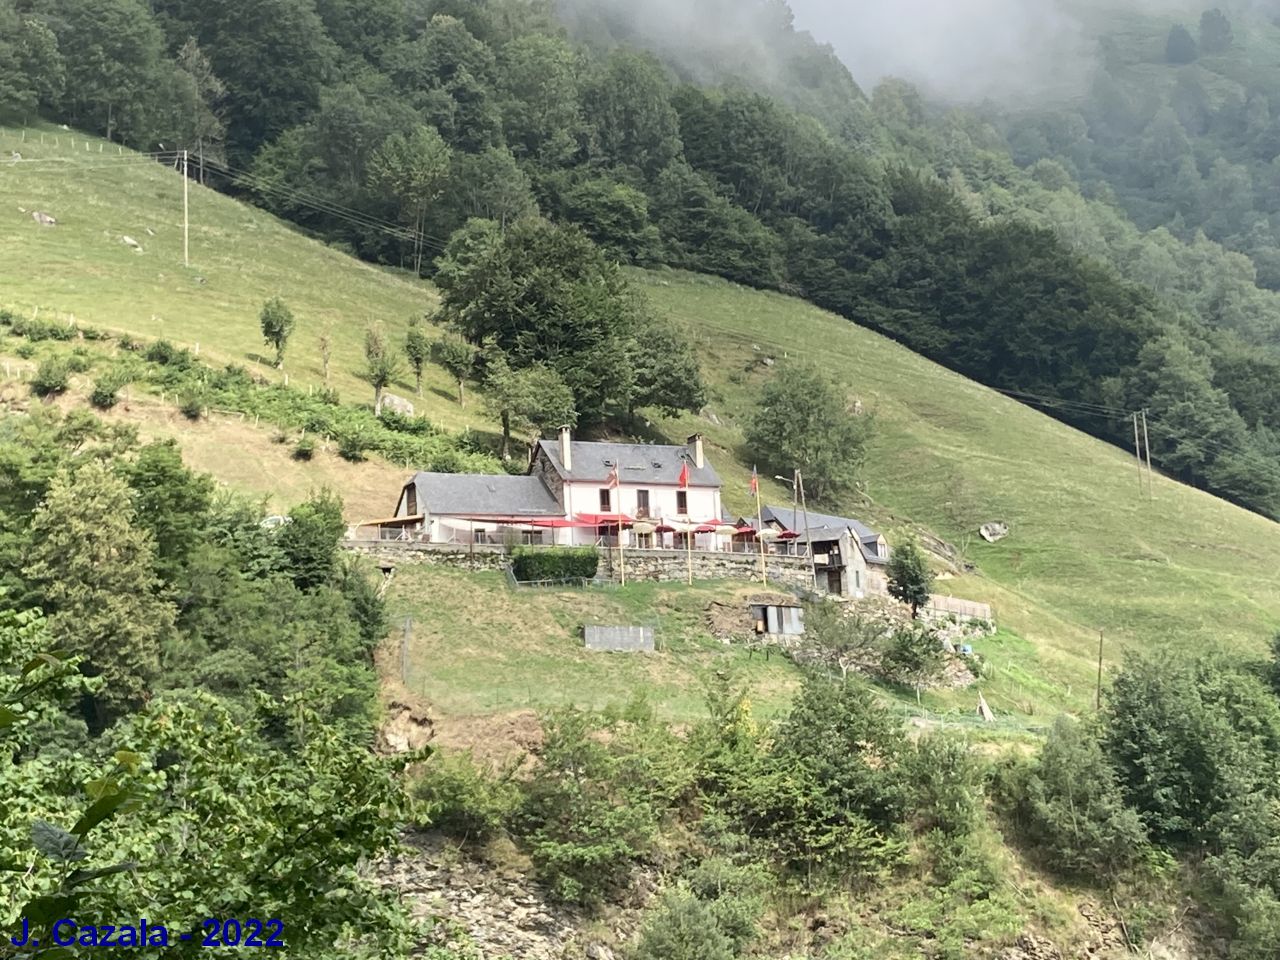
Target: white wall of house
point(700, 504)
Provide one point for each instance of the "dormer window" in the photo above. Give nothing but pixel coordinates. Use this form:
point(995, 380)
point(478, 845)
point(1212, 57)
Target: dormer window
point(882, 548)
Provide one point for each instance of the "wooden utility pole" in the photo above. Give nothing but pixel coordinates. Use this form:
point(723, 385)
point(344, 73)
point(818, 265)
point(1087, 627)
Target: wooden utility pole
point(186, 213)
point(1137, 452)
point(1146, 442)
point(1097, 697)
point(813, 564)
point(764, 570)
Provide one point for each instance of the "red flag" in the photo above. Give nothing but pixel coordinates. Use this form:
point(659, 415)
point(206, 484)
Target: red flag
point(684, 476)
point(613, 480)
point(755, 481)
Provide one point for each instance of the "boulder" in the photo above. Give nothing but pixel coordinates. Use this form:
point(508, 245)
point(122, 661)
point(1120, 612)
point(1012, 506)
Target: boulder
point(131, 243)
point(994, 532)
point(43, 219)
point(397, 404)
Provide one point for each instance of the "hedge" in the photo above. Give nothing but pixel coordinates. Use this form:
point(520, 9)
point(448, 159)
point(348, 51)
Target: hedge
point(569, 563)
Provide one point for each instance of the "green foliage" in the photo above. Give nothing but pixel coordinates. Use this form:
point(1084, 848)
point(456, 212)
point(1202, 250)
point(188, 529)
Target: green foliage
point(465, 800)
point(528, 402)
point(458, 358)
point(107, 387)
point(304, 449)
point(1069, 804)
point(588, 813)
point(544, 295)
point(417, 348)
point(94, 569)
point(1215, 32)
point(382, 364)
point(557, 564)
point(946, 781)
point(277, 324)
point(165, 354)
point(910, 579)
point(803, 421)
point(192, 403)
point(309, 541)
point(913, 657)
point(53, 376)
point(682, 928)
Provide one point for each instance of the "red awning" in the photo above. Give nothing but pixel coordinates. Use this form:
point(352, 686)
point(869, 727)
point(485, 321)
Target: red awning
point(604, 519)
point(788, 535)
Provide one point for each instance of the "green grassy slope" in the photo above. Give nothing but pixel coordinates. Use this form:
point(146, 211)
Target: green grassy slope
point(239, 258)
point(1086, 552)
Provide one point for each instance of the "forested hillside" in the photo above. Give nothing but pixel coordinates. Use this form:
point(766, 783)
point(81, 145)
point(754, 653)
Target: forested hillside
point(383, 128)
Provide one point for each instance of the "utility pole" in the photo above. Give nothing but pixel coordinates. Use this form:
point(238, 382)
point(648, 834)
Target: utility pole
point(813, 564)
point(1137, 451)
point(1097, 697)
point(1146, 442)
point(186, 213)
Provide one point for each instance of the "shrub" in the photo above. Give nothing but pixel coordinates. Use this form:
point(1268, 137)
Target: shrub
point(8, 318)
point(562, 563)
point(352, 444)
point(946, 779)
point(733, 895)
point(1068, 803)
point(26, 350)
point(37, 330)
point(584, 819)
point(458, 797)
point(191, 404)
point(107, 387)
point(682, 928)
point(400, 423)
point(165, 354)
point(304, 449)
point(52, 377)
point(79, 362)
point(329, 396)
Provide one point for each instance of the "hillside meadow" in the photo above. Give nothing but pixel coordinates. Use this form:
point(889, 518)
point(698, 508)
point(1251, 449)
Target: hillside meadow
point(1087, 552)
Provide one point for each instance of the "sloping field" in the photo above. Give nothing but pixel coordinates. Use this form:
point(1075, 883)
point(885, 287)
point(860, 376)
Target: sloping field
point(1087, 552)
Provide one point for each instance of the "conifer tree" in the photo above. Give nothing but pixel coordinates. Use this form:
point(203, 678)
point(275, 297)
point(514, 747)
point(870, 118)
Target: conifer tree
point(95, 571)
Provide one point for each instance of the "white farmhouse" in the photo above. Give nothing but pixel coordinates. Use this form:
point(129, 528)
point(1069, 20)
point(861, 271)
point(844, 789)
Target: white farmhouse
point(575, 493)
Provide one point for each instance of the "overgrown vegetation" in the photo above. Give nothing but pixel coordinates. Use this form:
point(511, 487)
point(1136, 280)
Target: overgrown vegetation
point(173, 672)
point(561, 564)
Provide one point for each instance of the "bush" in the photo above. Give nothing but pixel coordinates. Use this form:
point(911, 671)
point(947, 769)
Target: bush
point(352, 444)
point(192, 404)
point(37, 330)
point(415, 426)
point(682, 928)
point(26, 350)
point(304, 449)
point(52, 377)
point(329, 396)
point(107, 387)
point(79, 362)
point(586, 816)
point(946, 781)
point(1068, 804)
point(458, 797)
point(165, 354)
point(561, 563)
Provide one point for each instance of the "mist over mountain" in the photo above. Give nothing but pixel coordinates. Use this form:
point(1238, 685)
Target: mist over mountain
point(1011, 51)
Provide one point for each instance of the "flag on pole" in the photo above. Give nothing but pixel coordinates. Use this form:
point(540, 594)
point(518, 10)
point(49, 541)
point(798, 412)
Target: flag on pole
point(755, 481)
point(684, 476)
point(613, 480)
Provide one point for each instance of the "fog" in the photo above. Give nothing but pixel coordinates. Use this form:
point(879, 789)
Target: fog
point(965, 50)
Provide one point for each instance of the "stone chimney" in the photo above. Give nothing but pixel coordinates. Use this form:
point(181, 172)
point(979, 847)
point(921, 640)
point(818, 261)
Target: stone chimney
point(695, 444)
point(566, 448)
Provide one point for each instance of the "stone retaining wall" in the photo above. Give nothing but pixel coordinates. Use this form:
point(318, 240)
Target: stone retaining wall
point(659, 565)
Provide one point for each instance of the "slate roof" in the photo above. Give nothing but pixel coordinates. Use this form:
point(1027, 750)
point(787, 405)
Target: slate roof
point(463, 494)
point(824, 526)
point(643, 463)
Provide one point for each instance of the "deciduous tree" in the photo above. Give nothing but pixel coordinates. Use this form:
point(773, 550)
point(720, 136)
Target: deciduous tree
point(277, 324)
point(381, 363)
point(804, 421)
point(910, 578)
